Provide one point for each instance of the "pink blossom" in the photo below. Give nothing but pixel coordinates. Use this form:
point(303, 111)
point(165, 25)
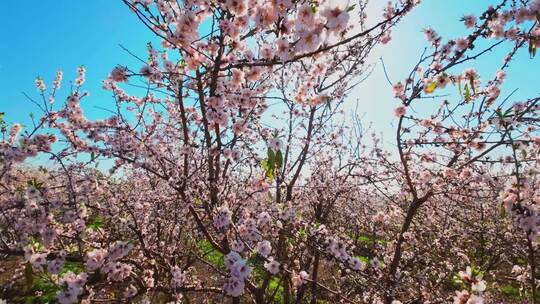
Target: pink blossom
point(298, 279)
point(119, 74)
point(431, 35)
point(222, 218)
point(283, 49)
point(264, 248)
point(385, 37)
point(462, 44)
point(40, 84)
point(272, 266)
point(469, 21)
point(240, 269)
point(275, 144)
point(179, 277)
point(399, 90)
point(95, 259)
point(234, 287)
point(237, 7)
point(400, 111)
point(336, 18)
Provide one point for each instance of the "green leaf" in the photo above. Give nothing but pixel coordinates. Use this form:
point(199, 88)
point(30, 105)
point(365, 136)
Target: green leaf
point(279, 159)
point(35, 243)
point(75, 267)
point(532, 47)
point(363, 259)
point(467, 93)
point(499, 113)
point(268, 171)
point(471, 80)
point(350, 8)
point(3, 127)
point(270, 164)
point(211, 255)
point(457, 283)
point(365, 239)
point(270, 174)
point(431, 87)
point(35, 183)
point(264, 165)
point(44, 288)
point(97, 222)
point(28, 276)
point(510, 291)
point(275, 290)
point(271, 158)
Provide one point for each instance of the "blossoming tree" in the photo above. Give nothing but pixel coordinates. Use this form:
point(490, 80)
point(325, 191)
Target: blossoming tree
point(235, 178)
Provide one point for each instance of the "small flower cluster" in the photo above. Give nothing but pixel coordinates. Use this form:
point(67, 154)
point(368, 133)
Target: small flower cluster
point(477, 287)
point(239, 271)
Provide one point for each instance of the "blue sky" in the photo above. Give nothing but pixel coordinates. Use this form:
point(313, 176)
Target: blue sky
point(408, 42)
point(43, 36)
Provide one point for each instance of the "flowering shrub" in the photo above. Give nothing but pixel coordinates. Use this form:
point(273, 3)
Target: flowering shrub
point(204, 200)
